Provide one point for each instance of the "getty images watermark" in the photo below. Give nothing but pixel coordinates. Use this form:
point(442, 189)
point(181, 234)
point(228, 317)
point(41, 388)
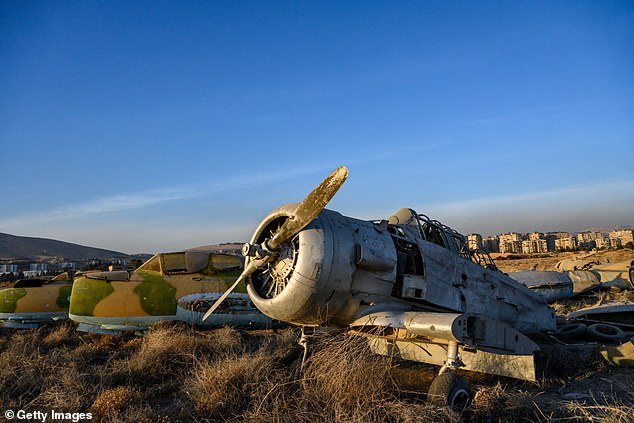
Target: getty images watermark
point(46, 416)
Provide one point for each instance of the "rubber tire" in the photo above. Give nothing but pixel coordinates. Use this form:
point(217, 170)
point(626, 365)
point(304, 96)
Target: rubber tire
point(605, 332)
point(572, 331)
point(450, 390)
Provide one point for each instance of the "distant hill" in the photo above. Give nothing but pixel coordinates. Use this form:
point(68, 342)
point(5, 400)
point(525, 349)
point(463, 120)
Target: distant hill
point(225, 247)
point(14, 247)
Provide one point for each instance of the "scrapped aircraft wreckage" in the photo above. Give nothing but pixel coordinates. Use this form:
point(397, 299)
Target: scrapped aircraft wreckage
point(576, 277)
point(408, 284)
point(30, 303)
point(169, 286)
point(621, 355)
point(609, 325)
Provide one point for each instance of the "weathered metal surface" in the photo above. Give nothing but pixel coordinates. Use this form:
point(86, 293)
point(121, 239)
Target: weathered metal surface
point(616, 275)
point(583, 281)
point(29, 305)
point(552, 286)
point(619, 355)
point(515, 366)
point(414, 272)
point(473, 330)
point(614, 312)
point(327, 287)
point(567, 265)
point(588, 275)
point(312, 205)
point(163, 288)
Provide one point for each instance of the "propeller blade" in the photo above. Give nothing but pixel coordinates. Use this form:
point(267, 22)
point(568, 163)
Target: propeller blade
point(223, 297)
point(305, 212)
point(308, 209)
point(251, 267)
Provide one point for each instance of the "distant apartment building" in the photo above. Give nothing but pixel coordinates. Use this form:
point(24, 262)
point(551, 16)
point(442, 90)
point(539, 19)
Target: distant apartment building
point(588, 239)
point(568, 243)
point(491, 244)
point(8, 268)
point(38, 267)
point(535, 244)
point(588, 236)
point(510, 243)
point(66, 266)
point(535, 236)
point(603, 242)
point(474, 241)
point(621, 237)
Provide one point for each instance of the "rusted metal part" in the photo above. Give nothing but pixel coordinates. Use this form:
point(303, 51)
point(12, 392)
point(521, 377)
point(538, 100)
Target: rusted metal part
point(619, 355)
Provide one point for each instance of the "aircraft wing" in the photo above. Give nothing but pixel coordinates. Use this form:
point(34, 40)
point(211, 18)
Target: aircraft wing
point(477, 331)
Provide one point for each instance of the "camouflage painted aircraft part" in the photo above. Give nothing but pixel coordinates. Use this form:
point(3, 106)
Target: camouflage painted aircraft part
point(169, 286)
point(32, 302)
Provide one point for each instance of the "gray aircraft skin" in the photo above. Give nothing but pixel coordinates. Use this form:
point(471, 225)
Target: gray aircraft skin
point(408, 283)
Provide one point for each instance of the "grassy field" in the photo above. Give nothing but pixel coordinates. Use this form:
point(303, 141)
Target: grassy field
point(179, 374)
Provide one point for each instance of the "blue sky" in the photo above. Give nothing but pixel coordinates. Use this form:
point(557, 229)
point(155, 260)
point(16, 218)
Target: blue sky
point(156, 126)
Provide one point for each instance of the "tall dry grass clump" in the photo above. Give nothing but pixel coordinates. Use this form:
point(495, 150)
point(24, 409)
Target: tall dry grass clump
point(169, 350)
point(38, 368)
point(113, 401)
point(252, 380)
point(344, 374)
point(345, 381)
point(221, 389)
point(501, 403)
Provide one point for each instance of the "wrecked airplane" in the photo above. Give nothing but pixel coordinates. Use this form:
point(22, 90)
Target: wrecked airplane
point(30, 303)
point(169, 286)
point(581, 276)
point(409, 284)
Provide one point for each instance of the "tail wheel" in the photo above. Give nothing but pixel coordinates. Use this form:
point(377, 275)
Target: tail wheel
point(450, 390)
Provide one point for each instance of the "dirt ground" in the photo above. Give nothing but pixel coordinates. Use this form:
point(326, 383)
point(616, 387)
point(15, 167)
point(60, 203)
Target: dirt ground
point(513, 263)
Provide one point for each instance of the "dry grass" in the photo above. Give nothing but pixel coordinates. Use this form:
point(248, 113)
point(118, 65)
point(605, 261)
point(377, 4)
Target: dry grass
point(178, 374)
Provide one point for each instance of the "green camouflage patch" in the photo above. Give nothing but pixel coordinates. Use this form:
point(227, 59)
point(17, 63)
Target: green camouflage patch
point(9, 299)
point(84, 301)
point(63, 300)
point(157, 297)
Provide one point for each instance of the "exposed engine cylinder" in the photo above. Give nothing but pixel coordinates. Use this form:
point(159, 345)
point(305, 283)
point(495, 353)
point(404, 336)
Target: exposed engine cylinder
point(311, 281)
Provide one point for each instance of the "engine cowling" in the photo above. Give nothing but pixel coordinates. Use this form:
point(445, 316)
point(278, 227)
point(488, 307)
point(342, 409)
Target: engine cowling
point(326, 272)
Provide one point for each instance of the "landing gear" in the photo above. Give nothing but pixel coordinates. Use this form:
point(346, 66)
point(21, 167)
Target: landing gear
point(449, 389)
point(307, 333)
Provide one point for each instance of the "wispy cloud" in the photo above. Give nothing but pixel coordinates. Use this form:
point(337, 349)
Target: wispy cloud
point(151, 197)
point(606, 202)
point(622, 190)
point(138, 200)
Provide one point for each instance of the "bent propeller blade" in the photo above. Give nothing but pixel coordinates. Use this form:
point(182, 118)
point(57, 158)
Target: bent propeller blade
point(308, 209)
